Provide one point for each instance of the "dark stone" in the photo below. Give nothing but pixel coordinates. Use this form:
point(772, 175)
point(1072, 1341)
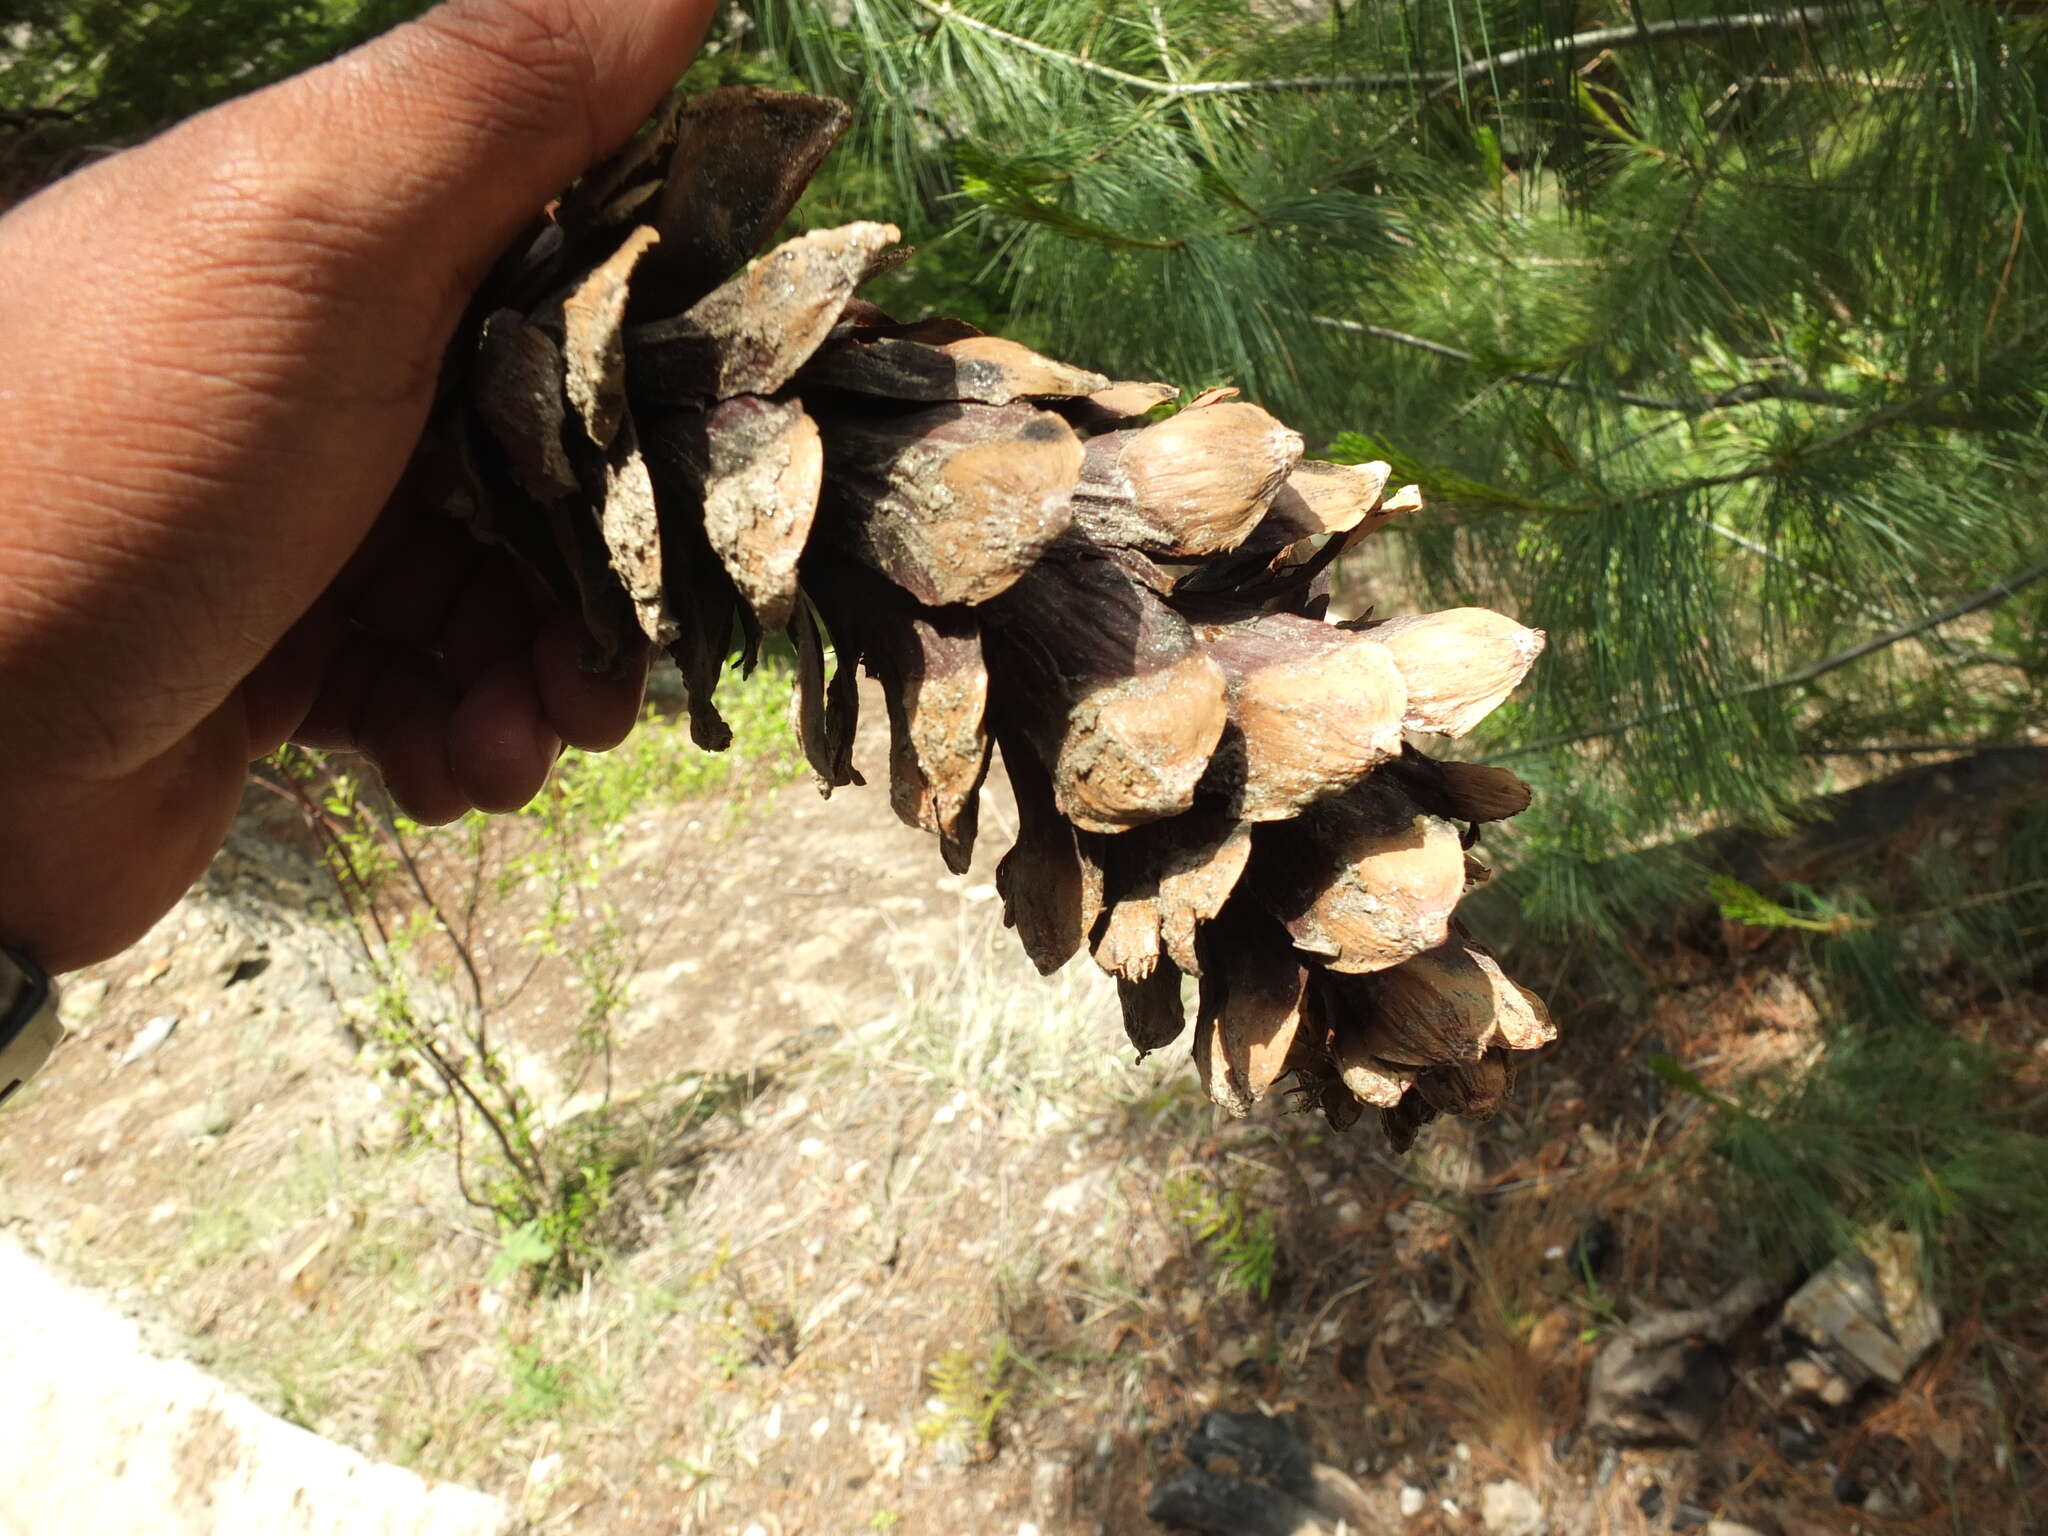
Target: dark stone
point(1797, 1441)
point(1263, 1448)
point(1665, 1397)
point(1198, 1501)
point(1592, 1251)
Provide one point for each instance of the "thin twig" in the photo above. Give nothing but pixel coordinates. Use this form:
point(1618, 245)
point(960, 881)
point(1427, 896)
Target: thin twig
point(1740, 394)
point(479, 1029)
point(1912, 749)
point(1305, 1340)
point(1997, 592)
point(1967, 903)
point(1850, 922)
point(418, 1036)
point(2019, 224)
point(363, 918)
point(1441, 79)
point(1869, 609)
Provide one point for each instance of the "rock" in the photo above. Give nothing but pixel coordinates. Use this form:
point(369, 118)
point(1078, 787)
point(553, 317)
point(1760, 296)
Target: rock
point(214, 1117)
point(1509, 1509)
point(1052, 1489)
point(218, 1115)
point(1253, 1476)
point(104, 1437)
point(1730, 1528)
point(1866, 1317)
point(1412, 1501)
point(149, 1038)
point(1661, 1380)
point(1808, 1377)
point(238, 956)
point(1194, 1500)
point(78, 1003)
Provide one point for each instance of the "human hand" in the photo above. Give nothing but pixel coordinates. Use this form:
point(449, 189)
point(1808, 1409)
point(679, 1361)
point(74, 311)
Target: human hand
point(217, 353)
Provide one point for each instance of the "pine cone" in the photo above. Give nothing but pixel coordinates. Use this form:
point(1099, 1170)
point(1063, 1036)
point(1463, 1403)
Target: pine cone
point(1211, 778)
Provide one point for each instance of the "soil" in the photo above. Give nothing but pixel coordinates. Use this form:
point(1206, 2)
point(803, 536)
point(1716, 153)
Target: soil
point(915, 1246)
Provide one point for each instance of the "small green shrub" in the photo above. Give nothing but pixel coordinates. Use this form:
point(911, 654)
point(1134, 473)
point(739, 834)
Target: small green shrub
point(974, 1391)
point(440, 1027)
point(1240, 1241)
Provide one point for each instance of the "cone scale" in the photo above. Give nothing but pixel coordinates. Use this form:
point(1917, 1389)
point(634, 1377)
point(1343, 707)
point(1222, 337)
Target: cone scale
point(692, 437)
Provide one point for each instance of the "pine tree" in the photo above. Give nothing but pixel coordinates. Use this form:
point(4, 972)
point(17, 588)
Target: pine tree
point(82, 77)
point(1713, 333)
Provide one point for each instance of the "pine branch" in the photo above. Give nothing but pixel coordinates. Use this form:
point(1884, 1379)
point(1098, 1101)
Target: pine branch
point(1800, 19)
point(1869, 609)
point(1741, 394)
point(1916, 411)
point(1996, 593)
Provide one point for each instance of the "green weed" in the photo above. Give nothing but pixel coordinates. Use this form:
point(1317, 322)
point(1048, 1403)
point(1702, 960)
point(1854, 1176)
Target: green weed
point(1241, 1242)
point(540, 1387)
point(973, 1391)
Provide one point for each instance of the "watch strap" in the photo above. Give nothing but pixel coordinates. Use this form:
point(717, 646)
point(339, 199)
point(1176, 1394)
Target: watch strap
point(29, 1026)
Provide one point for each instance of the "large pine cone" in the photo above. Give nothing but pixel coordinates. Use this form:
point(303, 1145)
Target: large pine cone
point(1127, 598)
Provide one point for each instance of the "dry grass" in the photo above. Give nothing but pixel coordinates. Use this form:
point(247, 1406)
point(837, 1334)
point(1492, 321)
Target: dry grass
point(945, 1256)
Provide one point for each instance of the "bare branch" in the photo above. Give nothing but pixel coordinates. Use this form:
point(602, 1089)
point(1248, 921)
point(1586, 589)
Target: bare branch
point(1741, 394)
point(1869, 609)
point(1800, 19)
point(1996, 593)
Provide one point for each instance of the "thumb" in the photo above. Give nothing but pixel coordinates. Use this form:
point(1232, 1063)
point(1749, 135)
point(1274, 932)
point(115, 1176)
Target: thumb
point(221, 346)
point(462, 124)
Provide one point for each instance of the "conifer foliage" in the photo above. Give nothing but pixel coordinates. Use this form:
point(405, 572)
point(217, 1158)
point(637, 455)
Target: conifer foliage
point(1711, 328)
point(1124, 594)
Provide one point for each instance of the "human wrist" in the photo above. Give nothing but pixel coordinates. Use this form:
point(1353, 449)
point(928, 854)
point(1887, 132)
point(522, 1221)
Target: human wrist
point(88, 867)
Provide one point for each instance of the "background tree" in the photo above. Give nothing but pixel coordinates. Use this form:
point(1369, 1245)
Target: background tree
point(1714, 335)
point(82, 76)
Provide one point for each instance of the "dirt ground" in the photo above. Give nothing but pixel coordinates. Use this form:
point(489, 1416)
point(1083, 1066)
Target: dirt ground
point(915, 1246)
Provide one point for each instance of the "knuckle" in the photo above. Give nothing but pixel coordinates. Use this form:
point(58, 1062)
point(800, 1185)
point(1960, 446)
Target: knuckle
point(536, 58)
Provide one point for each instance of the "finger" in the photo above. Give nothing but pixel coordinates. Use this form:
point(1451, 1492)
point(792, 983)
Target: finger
point(406, 598)
point(500, 746)
point(590, 710)
point(494, 619)
point(279, 695)
point(483, 110)
point(404, 731)
point(330, 724)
